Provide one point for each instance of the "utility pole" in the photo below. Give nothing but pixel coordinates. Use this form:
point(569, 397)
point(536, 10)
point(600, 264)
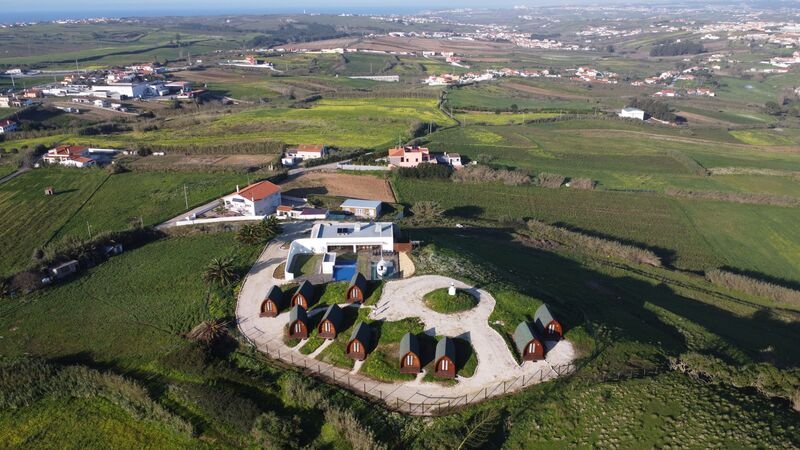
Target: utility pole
point(77, 69)
point(13, 83)
point(185, 196)
point(89, 228)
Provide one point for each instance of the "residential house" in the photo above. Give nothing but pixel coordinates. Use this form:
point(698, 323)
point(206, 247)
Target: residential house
point(7, 126)
point(70, 156)
point(329, 324)
point(258, 199)
point(409, 354)
point(451, 159)
point(445, 359)
point(529, 347)
point(311, 151)
point(409, 156)
point(547, 326)
point(363, 208)
point(298, 323)
point(360, 341)
point(632, 113)
point(272, 304)
point(666, 93)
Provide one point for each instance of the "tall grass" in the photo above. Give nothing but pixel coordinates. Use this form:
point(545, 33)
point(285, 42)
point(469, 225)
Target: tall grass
point(752, 286)
point(747, 198)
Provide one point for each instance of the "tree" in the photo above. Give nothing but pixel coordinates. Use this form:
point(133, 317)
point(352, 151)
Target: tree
point(220, 271)
point(426, 210)
point(260, 232)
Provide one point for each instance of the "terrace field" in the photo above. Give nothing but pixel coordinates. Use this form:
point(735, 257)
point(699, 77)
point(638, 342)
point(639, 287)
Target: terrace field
point(93, 201)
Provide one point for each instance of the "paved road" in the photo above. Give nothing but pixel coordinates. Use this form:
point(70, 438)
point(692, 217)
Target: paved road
point(497, 370)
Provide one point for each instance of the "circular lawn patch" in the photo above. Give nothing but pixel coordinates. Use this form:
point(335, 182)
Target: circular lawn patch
point(442, 302)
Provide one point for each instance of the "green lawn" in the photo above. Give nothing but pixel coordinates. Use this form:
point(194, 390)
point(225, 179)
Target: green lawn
point(441, 301)
point(93, 201)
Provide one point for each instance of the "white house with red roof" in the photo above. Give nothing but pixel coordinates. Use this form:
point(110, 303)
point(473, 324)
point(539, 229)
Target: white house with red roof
point(70, 156)
point(409, 156)
point(258, 199)
point(7, 125)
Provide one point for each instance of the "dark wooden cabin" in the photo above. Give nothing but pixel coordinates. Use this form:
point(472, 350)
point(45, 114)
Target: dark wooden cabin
point(445, 360)
point(409, 354)
point(273, 303)
point(357, 289)
point(298, 323)
point(359, 342)
point(529, 347)
point(547, 326)
point(330, 322)
point(304, 295)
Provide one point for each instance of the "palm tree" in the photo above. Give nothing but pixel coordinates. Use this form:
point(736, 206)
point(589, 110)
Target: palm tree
point(220, 271)
point(271, 226)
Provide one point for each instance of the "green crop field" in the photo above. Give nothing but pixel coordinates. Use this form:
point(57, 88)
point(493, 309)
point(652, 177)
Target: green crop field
point(763, 137)
point(93, 201)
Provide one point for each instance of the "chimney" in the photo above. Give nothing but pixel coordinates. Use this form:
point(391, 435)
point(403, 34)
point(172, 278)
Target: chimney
point(237, 188)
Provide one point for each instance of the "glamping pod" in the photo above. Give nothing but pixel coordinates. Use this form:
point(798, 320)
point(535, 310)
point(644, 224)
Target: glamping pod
point(357, 289)
point(304, 295)
point(445, 360)
point(298, 323)
point(546, 325)
point(530, 348)
point(273, 303)
point(330, 322)
point(359, 342)
point(409, 354)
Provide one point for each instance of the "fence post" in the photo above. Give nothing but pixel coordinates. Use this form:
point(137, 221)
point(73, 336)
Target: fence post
point(484, 394)
point(504, 387)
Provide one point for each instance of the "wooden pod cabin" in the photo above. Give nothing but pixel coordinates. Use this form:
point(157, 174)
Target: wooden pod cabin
point(298, 323)
point(547, 326)
point(357, 290)
point(359, 342)
point(330, 322)
point(528, 346)
point(445, 360)
point(409, 354)
point(304, 295)
point(273, 303)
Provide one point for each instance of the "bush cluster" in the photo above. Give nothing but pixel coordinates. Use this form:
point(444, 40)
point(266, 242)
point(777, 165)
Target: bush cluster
point(752, 286)
point(483, 174)
point(425, 171)
point(677, 48)
point(592, 244)
point(550, 180)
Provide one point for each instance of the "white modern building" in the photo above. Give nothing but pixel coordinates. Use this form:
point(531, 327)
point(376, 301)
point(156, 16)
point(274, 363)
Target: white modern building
point(327, 238)
point(258, 200)
point(632, 113)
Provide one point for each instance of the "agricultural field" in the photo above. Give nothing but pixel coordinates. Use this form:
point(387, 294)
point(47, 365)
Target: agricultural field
point(339, 185)
point(93, 201)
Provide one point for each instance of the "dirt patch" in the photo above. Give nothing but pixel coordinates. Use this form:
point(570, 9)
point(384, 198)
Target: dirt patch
point(542, 91)
point(340, 185)
point(203, 161)
point(693, 117)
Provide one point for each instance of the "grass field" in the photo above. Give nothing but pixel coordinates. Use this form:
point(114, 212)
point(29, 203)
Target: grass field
point(92, 199)
point(694, 235)
point(762, 137)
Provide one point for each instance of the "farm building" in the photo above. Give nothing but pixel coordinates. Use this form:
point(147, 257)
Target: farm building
point(311, 151)
point(632, 113)
point(273, 302)
point(530, 349)
point(546, 325)
point(409, 354)
point(298, 323)
point(258, 199)
point(362, 208)
point(445, 359)
point(304, 295)
point(328, 326)
point(288, 212)
point(359, 342)
point(69, 155)
point(357, 289)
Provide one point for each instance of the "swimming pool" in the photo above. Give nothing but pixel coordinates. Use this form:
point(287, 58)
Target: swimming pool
point(344, 271)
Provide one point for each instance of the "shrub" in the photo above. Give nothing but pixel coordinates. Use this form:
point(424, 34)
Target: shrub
point(582, 183)
point(737, 197)
point(484, 174)
point(359, 436)
point(425, 171)
point(426, 210)
point(220, 403)
point(550, 180)
point(753, 286)
point(591, 244)
point(273, 431)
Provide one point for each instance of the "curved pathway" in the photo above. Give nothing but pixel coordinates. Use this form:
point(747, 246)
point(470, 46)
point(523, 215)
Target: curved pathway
point(497, 371)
